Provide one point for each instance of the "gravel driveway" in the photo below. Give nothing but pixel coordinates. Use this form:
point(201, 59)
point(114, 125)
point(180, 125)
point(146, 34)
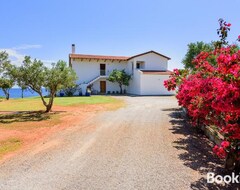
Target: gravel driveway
point(130, 148)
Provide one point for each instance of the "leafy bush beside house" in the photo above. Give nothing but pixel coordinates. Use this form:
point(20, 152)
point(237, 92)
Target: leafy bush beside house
point(120, 77)
point(71, 90)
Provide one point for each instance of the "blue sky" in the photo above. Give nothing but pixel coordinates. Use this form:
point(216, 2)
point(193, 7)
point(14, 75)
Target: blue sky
point(46, 29)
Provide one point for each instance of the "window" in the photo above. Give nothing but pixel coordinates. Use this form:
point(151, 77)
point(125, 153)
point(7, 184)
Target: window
point(138, 65)
point(102, 69)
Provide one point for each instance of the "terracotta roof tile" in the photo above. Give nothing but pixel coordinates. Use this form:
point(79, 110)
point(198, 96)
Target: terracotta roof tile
point(82, 56)
point(156, 72)
point(106, 57)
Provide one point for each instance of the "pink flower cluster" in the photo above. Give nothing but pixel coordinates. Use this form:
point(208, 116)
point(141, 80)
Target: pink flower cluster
point(221, 151)
point(211, 95)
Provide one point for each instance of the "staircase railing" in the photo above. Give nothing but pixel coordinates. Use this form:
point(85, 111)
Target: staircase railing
point(95, 79)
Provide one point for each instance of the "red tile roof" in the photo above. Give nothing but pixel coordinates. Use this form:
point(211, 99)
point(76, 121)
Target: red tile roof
point(106, 57)
point(156, 72)
point(82, 56)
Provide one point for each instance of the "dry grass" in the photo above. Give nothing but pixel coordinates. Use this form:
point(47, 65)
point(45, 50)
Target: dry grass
point(29, 120)
point(25, 119)
point(115, 105)
point(9, 145)
point(13, 116)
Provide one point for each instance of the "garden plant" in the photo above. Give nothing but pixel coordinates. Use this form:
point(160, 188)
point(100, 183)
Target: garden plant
point(211, 93)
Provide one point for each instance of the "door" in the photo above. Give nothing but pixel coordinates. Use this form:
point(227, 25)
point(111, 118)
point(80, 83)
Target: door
point(102, 69)
point(102, 86)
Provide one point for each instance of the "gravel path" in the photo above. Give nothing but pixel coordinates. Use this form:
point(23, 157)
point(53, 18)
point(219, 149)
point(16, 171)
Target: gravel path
point(130, 148)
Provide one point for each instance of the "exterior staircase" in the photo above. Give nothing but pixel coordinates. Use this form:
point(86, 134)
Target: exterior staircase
point(96, 78)
point(84, 86)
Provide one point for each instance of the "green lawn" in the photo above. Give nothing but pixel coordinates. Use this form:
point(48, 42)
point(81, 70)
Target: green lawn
point(69, 101)
point(34, 104)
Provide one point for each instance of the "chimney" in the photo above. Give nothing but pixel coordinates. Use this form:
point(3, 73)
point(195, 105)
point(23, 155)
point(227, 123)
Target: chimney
point(73, 48)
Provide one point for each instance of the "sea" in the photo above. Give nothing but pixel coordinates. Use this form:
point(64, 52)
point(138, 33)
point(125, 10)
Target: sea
point(17, 93)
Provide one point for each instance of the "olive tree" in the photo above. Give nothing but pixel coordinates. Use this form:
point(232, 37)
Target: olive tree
point(35, 76)
point(120, 77)
point(6, 81)
point(6, 85)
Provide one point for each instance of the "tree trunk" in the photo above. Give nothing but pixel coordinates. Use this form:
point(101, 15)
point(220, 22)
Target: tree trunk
point(50, 103)
point(6, 92)
point(22, 92)
point(44, 102)
point(120, 88)
point(7, 96)
point(48, 108)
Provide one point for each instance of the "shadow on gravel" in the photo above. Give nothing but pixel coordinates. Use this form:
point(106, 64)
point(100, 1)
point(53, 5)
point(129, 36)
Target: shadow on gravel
point(198, 153)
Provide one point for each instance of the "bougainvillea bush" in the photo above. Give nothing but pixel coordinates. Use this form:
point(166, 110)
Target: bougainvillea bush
point(211, 94)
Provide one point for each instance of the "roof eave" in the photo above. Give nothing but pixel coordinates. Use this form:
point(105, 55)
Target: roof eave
point(148, 53)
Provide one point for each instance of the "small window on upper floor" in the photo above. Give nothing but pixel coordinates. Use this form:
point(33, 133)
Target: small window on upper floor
point(138, 65)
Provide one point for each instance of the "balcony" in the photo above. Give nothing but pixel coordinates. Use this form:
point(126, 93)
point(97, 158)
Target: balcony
point(102, 72)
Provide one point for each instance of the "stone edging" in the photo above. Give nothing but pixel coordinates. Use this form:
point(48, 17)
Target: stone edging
point(211, 132)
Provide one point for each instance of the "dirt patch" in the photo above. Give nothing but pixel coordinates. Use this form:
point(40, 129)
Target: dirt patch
point(32, 127)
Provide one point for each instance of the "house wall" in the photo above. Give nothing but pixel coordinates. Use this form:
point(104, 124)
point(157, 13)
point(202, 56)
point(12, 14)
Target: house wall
point(140, 84)
point(96, 86)
point(153, 85)
point(113, 87)
point(115, 65)
point(109, 86)
point(152, 62)
point(147, 84)
point(87, 71)
point(134, 83)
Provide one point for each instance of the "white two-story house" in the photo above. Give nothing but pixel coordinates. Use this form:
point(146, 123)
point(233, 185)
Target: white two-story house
point(148, 71)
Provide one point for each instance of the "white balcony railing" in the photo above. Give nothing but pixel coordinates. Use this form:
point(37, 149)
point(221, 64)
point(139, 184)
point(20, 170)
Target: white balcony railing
point(102, 72)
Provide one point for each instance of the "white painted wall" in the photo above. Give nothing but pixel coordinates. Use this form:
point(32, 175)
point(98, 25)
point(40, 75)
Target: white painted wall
point(109, 86)
point(96, 86)
point(134, 84)
point(113, 87)
point(115, 65)
point(141, 84)
point(152, 61)
point(87, 71)
point(153, 85)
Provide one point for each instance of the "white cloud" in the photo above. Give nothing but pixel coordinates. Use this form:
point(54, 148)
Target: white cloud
point(17, 57)
point(48, 63)
point(27, 46)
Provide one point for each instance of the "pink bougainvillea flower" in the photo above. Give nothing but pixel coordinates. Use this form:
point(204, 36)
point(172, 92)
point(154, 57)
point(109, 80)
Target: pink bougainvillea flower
point(225, 144)
point(219, 151)
point(211, 94)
